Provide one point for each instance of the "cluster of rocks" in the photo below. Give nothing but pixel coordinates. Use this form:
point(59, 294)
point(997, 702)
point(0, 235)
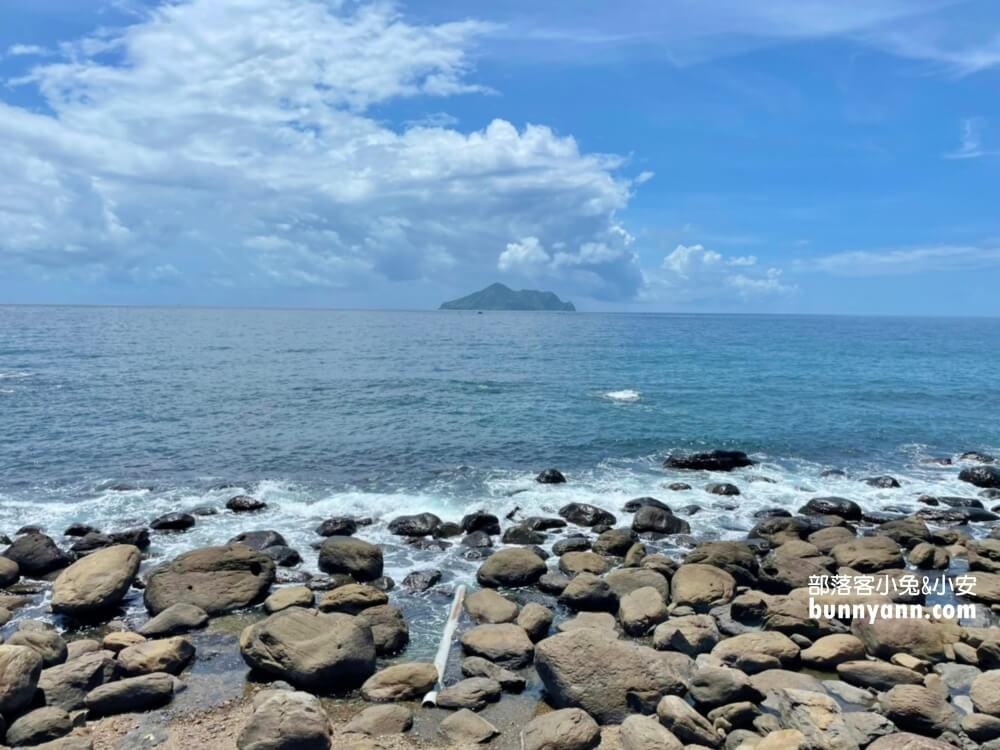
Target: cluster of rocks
point(716, 647)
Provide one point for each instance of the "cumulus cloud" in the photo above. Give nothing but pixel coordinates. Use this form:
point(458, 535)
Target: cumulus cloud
point(694, 273)
point(222, 139)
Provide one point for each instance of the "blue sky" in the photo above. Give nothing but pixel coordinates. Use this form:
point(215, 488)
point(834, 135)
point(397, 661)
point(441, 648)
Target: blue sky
point(801, 156)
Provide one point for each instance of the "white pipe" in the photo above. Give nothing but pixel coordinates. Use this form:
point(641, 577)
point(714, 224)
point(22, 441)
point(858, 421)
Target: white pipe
point(444, 647)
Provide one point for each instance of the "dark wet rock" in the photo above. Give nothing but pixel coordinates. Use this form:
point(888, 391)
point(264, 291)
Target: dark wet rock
point(245, 504)
point(778, 528)
point(337, 526)
point(511, 568)
point(689, 510)
point(138, 537)
point(833, 473)
point(421, 580)
point(131, 694)
point(722, 488)
point(390, 631)
point(772, 513)
point(328, 582)
point(310, 649)
point(283, 555)
point(650, 518)
point(204, 510)
point(66, 685)
point(551, 476)
point(286, 720)
point(543, 523)
point(961, 502)
point(258, 540)
point(868, 554)
point(957, 516)
point(36, 554)
point(571, 544)
point(832, 506)
point(482, 521)
point(629, 671)
point(882, 482)
point(678, 486)
point(717, 460)
point(38, 726)
point(422, 524)
point(422, 543)
point(928, 500)
point(96, 582)
point(583, 514)
point(447, 530)
point(477, 540)
point(173, 522)
point(614, 542)
point(522, 535)
point(80, 529)
point(736, 558)
point(990, 493)
point(907, 532)
point(216, 579)
point(90, 542)
point(384, 583)
point(977, 456)
point(641, 502)
point(354, 557)
point(987, 477)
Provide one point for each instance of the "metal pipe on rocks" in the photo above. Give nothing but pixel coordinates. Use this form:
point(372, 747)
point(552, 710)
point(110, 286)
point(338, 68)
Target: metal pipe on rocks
point(444, 647)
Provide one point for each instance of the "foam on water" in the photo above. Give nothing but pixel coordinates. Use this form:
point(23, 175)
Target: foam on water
point(624, 395)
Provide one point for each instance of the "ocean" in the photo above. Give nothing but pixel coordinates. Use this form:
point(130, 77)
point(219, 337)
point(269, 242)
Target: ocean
point(112, 416)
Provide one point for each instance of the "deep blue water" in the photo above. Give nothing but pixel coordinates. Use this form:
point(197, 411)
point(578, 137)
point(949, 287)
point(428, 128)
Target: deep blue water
point(322, 412)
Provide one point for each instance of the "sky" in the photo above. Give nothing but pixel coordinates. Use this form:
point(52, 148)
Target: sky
point(788, 156)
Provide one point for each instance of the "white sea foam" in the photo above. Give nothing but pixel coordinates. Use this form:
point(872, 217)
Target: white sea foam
point(15, 375)
point(624, 395)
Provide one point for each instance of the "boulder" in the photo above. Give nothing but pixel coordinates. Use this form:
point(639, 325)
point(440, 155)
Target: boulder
point(422, 580)
point(245, 504)
point(687, 724)
point(389, 629)
point(985, 692)
point(736, 558)
point(646, 733)
point(400, 682)
point(38, 726)
point(641, 610)
point(488, 606)
point(259, 540)
point(131, 694)
point(717, 460)
point(600, 621)
point(572, 563)
point(352, 598)
point(422, 524)
point(589, 593)
point(701, 586)
point(338, 526)
point(511, 568)
point(565, 729)
point(832, 506)
point(505, 644)
point(292, 596)
point(286, 720)
point(521, 534)
point(477, 666)
point(882, 482)
point(9, 572)
point(583, 514)
point(868, 554)
point(923, 639)
point(626, 580)
point(876, 675)
point(726, 489)
point(614, 542)
point(816, 716)
point(981, 476)
point(649, 518)
point(830, 650)
point(175, 521)
point(117, 641)
point(169, 655)
point(690, 634)
point(908, 741)
point(551, 476)
point(826, 539)
point(96, 582)
point(536, 620)
point(480, 520)
point(465, 727)
point(174, 620)
point(628, 672)
point(473, 693)
point(355, 557)
point(711, 687)
point(20, 668)
point(776, 645)
point(918, 709)
point(981, 727)
point(66, 685)
point(376, 721)
point(215, 579)
point(36, 555)
point(310, 649)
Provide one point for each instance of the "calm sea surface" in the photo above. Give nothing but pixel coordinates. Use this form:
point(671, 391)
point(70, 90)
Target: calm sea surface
point(114, 415)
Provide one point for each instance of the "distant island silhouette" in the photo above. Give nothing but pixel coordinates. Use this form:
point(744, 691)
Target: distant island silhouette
point(501, 297)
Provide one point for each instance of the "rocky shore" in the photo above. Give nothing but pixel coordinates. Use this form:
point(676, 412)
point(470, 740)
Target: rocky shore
point(581, 631)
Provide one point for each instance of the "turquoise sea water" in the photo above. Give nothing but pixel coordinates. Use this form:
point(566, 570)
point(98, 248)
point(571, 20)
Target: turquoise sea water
point(114, 415)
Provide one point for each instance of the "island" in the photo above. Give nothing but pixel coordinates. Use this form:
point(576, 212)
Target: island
point(501, 297)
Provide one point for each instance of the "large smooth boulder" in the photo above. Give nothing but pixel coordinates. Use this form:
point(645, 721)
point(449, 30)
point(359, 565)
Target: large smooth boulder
point(473, 693)
point(647, 733)
point(389, 629)
point(286, 720)
point(46, 642)
point(908, 741)
point(20, 668)
point(770, 643)
point(985, 692)
point(626, 580)
point(830, 650)
point(565, 729)
point(96, 582)
point(918, 709)
point(166, 655)
point(566, 664)
point(490, 607)
point(38, 726)
point(868, 554)
point(923, 639)
point(877, 675)
point(9, 572)
point(981, 476)
point(832, 506)
point(686, 724)
point(216, 579)
point(376, 721)
point(401, 682)
point(701, 586)
point(690, 634)
point(422, 524)
point(589, 593)
point(505, 644)
point(511, 568)
point(717, 460)
point(465, 727)
point(352, 598)
point(583, 514)
point(649, 518)
point(174, 620)
point(641, 610)
point(131, 694)
point(66, 685)
point(355, 557)
point(36, 554)
point(311, 649)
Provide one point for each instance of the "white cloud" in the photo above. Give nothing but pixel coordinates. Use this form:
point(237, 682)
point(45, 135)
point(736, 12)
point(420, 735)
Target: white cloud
point(26, 50)
point(901, 261)
point(694, 273)
point(526, 254)
point(972, 141)
point(237, 138)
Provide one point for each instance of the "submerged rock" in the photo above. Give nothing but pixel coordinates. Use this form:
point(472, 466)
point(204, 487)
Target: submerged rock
point(717, 460)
